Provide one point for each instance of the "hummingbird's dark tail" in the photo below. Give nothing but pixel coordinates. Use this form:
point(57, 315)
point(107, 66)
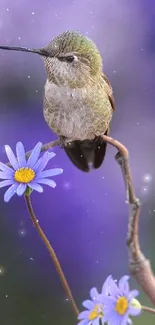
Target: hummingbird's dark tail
point(84, 153)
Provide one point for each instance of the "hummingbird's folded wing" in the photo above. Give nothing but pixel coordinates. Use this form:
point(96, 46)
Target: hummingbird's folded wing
point(109, 91)
point(100, 149)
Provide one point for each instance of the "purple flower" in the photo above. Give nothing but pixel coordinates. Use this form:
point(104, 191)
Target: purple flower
point(120, 303)
point(26, 173)
point(94, 312)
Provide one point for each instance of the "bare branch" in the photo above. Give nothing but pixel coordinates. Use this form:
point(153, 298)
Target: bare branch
point(150, 310)
point(139, 266)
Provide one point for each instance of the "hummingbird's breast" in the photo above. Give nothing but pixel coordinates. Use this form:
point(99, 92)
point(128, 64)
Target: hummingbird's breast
point(76, 114)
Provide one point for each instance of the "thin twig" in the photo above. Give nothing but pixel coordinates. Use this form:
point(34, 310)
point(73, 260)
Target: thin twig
point(139, 266)
point(45, 147)
point(150, 310)
point(52, 253)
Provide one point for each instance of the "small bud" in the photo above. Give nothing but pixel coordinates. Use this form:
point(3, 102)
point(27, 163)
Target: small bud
point(135, 304)
point(28, 191)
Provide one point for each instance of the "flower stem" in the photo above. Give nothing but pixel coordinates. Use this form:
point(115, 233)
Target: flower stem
point(52, 253)
point(150, 310)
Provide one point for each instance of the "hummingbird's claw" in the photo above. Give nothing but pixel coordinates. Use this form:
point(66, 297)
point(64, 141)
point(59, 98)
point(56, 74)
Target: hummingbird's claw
point(118, 155)
point(64, 142)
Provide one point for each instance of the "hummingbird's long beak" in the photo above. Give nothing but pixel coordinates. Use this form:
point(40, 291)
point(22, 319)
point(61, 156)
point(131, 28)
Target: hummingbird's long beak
point(41, 51)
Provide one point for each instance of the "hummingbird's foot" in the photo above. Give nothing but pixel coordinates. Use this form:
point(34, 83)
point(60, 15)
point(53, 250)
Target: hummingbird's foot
point(99, 138)
point(118, 155)
point(64, 142)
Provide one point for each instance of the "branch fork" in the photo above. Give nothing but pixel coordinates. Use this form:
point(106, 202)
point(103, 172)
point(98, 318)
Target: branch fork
point(139, 265)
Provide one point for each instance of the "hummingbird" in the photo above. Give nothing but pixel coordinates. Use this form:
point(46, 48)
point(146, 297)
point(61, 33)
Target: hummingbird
point(78, 98)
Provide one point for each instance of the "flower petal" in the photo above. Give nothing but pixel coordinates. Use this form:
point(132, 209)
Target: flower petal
point(36, 187)
point(43, 161)
point(6, 175)
point(134, 311)
point(124, 320)
point(6, 182)
point(95, 321)
point(133, 294)
point(12, 159)
point(94, 294)
point(113, 289)
point(106, 285)
point(47, 181)
point(88, 304)
point(129, 321)
point(5, 168)
point(124, 284)
point(20, 152)
point(115, 319)
point(83, 314)
point(21, 189)
point(10, 192)
point(50, 172)
point(108, 301)
point(84, 322)
point(34, 155)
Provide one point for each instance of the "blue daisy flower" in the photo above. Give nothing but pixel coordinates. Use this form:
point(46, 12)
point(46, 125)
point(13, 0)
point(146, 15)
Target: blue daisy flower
point(121, 302)
point(26, 172)
point(95, 309)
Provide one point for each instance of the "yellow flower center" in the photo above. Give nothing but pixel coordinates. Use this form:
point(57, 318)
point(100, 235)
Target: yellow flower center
point(95, 312)
point(24, 175)
point(121, 305)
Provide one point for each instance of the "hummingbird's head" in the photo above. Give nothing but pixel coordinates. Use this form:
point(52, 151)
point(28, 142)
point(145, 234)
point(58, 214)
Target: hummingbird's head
point(70, 59)
point(73, 60)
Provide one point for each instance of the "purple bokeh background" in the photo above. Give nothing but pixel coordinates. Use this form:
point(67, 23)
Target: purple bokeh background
point(85, 217)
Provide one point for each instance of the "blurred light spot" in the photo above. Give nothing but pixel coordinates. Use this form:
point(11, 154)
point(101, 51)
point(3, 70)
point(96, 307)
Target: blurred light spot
point(22, 232)
point(147, 178)
point(144, 189)
point(2, 270)
point(67, 185)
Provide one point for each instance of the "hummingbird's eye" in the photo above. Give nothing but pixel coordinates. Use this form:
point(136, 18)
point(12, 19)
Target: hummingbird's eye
point(71, 58)
point(68, 58)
